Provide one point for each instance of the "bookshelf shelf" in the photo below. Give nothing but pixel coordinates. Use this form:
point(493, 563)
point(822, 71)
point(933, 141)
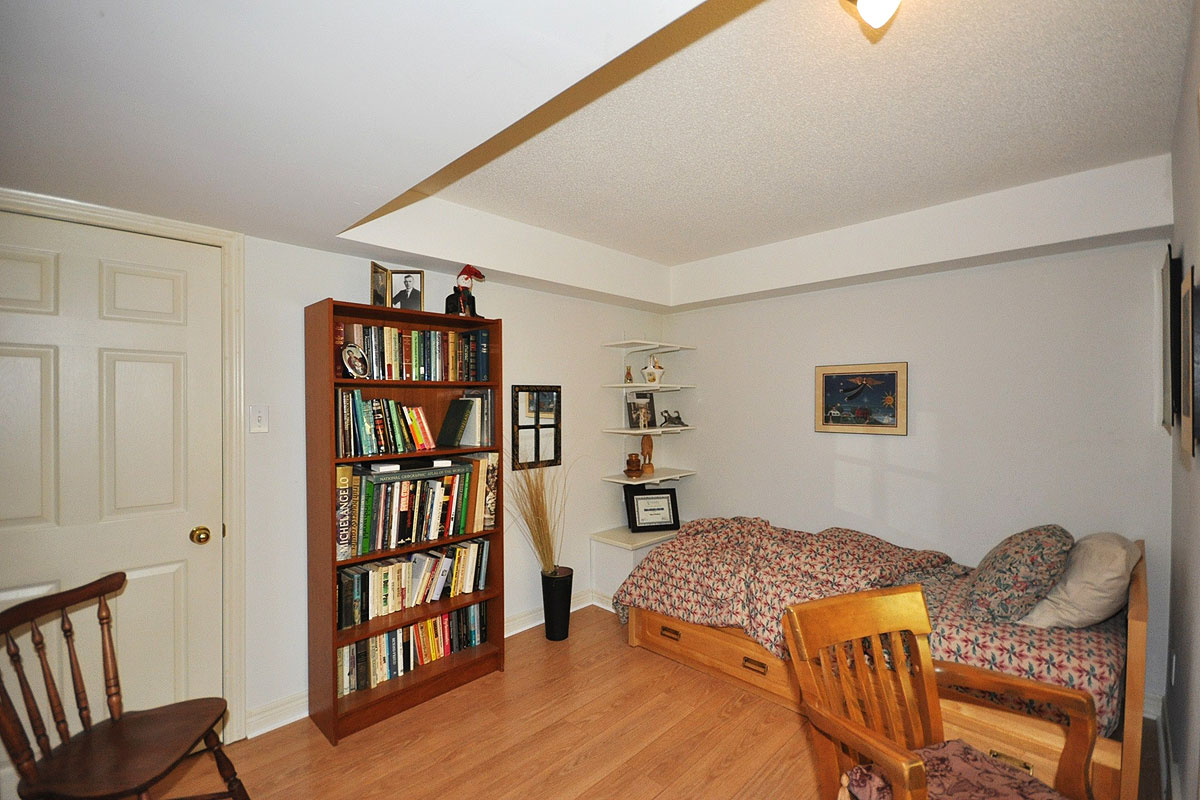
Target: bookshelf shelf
point(336, 712)
point(408, 616)
point(395, 695)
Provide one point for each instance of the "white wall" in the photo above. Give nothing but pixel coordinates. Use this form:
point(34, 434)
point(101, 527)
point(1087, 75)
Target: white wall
point(1033, 397)
point(547, 339)
point(1183, 698)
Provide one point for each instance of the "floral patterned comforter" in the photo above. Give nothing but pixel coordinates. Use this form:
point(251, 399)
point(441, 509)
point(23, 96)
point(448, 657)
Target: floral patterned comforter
point(742, 572)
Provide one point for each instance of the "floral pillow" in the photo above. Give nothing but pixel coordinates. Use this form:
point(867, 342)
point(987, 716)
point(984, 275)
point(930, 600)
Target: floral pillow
point(1017, 573)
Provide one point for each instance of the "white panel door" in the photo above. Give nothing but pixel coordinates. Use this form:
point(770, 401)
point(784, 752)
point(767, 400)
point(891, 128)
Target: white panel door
point(110, 441)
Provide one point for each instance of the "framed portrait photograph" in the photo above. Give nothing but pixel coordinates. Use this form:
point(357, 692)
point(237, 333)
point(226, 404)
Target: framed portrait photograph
point(651, 509)
point(1172, 277)
point(355, 360)
point(407, 289)
point(1195, 370)
point(639, 409)
point(381, 284)
point(863, 398)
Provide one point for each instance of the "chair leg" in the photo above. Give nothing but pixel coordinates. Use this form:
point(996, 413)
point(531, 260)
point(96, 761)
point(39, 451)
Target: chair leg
point(236, 790)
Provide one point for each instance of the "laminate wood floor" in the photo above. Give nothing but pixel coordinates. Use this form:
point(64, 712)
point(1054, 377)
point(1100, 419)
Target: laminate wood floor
point(589, 717)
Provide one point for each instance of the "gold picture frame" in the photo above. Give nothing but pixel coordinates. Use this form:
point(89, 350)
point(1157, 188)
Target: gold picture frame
point(862, 398)
point(381, 285)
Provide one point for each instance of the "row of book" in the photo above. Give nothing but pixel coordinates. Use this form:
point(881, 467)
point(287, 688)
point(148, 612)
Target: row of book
point(416, 355)
point(383, 506)
point(368, 662)
point(379, 426)
point(372, 426)
point(367, 591)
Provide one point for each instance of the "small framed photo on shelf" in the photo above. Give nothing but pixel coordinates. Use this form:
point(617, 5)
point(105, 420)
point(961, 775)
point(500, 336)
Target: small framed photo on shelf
point(408, 289)
point(355, 360)
point(639, 409)
point(862, 398)
point(651, 509)
point(381, 284)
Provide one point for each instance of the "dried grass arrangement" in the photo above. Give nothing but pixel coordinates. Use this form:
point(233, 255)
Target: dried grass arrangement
point(539, 497)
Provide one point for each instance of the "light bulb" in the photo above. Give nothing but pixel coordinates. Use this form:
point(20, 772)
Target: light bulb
point(876, 13)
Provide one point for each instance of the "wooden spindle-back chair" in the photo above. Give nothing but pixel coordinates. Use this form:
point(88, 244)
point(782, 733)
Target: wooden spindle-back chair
point(870, 689)
point(121, 756)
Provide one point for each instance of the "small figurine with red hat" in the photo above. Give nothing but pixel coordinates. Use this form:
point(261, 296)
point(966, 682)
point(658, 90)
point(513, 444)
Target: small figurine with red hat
point(461, 302)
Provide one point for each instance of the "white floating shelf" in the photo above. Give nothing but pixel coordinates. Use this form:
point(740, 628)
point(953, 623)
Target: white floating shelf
point(650, 431)
point(627, 540)
point(660, 474)
point(641, 345)
point(650, 387)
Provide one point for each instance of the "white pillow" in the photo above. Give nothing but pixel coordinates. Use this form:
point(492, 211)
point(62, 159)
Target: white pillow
point(1094, 586)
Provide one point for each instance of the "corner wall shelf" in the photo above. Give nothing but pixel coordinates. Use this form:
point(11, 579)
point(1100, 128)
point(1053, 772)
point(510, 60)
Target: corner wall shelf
point(642, 346)
point(650, 431)
point(660, 474)
point(649, 387)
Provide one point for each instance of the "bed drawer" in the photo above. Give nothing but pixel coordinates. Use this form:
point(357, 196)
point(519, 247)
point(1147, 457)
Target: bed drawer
point(728, 651)
point(1034, 743)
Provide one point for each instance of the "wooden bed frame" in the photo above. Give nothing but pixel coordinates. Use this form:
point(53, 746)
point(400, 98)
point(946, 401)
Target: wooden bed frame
point(729, 653)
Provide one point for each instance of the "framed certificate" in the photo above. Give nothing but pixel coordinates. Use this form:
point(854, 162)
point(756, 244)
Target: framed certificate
point(651, 509)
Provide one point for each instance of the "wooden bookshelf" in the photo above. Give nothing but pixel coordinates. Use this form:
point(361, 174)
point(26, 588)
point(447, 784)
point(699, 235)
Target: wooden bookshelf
point(336, 716)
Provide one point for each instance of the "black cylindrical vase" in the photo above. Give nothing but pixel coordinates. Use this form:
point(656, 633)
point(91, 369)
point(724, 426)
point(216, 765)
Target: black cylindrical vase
point(556, 601)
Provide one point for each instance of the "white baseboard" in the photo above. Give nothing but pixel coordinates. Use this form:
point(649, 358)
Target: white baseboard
point(276, 715)
point(534, 617)
point(602, 600)
point(1152, 706)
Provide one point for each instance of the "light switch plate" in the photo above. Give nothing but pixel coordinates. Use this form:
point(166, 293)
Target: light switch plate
point(259, 418)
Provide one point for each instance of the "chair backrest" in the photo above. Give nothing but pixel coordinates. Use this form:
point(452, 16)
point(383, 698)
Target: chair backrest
point(865, 657)
point(12, 621)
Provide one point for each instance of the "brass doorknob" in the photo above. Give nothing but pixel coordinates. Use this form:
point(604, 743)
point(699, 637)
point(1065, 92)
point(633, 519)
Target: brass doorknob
point(200, 534)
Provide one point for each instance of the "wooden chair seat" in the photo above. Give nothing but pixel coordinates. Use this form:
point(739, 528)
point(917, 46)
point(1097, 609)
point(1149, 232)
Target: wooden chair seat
point(956, 769)
point(117, 758)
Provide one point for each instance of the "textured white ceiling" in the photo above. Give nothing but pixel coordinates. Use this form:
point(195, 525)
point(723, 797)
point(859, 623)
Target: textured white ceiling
point(290, 121)
point(789, 120)
point(280, 119)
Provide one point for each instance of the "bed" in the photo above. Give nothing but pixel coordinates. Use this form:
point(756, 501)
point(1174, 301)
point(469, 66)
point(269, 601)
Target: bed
point(712, 598)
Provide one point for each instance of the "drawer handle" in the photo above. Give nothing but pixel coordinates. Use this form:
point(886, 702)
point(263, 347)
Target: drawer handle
point(754, 666)
point(669, 633)
point(1012, 761)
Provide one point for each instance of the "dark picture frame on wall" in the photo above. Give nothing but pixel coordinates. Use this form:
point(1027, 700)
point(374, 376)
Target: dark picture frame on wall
point(536, 426)
point(651, 508)
point(1187, 394)
point(1172, 278)
point(1195, 348)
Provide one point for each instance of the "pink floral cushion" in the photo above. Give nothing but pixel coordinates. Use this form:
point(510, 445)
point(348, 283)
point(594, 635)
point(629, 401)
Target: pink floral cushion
point(956, 769)
point(1017, 573)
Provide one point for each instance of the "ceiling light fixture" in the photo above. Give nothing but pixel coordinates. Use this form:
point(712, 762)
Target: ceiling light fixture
point(876, 13)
